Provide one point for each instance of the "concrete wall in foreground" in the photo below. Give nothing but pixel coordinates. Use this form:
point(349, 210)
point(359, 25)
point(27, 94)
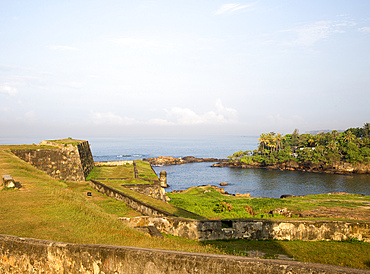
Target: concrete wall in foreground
point(22, 255)
point(256, 229)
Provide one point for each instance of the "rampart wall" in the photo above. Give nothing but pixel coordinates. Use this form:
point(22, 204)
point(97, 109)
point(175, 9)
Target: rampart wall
point(22, 255)
point(131, 202)
point(68, 162)
point(255, 229)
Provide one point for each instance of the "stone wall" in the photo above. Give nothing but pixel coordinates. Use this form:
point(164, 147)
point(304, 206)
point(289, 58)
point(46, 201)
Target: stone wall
point(131, 202)
point(152, 190)
point(256, 229)
point(68, 162)
point(22, 255)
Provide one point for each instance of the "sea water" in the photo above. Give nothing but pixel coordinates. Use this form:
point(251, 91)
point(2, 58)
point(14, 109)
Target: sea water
point(257, 182)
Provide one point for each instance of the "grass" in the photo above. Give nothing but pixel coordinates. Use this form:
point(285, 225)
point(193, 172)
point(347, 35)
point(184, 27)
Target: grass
point(111, 172)
point(206, 201)
point(145, 171)
point(33, 146)
point(50, 209)
point(347, 253)
point(67, 141)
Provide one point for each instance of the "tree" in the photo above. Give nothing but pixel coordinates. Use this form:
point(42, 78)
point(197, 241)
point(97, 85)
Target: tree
point(263, 141)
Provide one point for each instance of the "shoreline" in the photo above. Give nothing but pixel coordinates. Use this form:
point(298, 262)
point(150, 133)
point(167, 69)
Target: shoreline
point(337, 168)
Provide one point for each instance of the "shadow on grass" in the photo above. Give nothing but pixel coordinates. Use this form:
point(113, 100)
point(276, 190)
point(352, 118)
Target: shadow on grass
point(241, 247)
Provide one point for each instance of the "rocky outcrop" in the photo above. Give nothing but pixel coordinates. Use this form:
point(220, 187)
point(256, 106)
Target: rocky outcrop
point(336, 168)
point(162, 161)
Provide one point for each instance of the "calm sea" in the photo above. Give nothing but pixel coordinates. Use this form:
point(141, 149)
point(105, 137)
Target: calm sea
point(257, 182)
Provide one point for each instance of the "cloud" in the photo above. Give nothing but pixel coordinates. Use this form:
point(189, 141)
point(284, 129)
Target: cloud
point(231, 8)
point(309, 34)
point(63, 48)
point(364, 29)
point(7, 89)
point(109, 118)
point(186, 116)
point(138, 43)
point(74, 85)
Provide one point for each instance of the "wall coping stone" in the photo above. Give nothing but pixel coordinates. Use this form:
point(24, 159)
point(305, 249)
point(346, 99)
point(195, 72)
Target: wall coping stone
point(26, 254)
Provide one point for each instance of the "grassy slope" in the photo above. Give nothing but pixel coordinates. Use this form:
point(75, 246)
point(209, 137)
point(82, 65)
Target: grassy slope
point(145, 172)
point(49, 209)
point(46, 208)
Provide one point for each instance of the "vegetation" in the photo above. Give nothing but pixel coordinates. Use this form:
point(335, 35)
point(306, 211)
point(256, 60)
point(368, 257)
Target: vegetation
point(208, 202)
point(347, 253)
point(46, 208)
point(67, 141)
point(351, 146)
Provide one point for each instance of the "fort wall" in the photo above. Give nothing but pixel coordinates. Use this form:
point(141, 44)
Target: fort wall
point(23, 255)
point(67, 162)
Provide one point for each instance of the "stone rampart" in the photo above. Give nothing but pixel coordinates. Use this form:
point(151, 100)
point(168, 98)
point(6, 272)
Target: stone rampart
point(68, 162)
point(256, 229)
point(114, 163)
point(153, 190)
point(22, 255)
point(131, 202)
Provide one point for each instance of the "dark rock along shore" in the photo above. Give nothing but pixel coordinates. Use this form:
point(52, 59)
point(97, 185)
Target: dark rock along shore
point(337, 168)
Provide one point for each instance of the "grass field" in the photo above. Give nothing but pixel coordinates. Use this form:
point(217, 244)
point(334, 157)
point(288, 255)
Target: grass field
point(207, 201)
point(50, 209)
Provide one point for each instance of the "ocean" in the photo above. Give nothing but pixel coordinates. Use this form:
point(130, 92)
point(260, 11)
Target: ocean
point(257, 182)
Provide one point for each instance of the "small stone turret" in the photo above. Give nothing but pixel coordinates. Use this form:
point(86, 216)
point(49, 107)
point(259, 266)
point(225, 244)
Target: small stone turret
point(163, 178)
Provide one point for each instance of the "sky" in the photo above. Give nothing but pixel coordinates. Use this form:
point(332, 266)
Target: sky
point(119, 67)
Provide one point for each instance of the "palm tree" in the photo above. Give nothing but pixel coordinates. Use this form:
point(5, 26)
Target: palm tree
point(278, 139)
point(263, 141)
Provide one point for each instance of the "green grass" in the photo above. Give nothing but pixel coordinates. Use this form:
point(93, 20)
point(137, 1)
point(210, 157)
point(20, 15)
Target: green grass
point(145, 171)
point(206, 201)
point(125, 171)
point(33, 146)
point(350, 254)
point(67, 141)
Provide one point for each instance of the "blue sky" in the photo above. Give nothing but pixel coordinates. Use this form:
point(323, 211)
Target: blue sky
point(91, 68)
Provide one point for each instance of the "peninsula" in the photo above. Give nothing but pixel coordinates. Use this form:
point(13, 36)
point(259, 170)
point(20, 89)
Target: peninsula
point(346, 152)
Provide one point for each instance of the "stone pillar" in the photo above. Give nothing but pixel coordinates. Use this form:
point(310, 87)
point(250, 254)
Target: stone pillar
point(163, 178)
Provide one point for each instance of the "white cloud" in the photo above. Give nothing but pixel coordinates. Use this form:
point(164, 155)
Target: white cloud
point(7, 89)
point(186, 116)
point(160, 122)
point(309, 34)
point(109, 118)
point(63, 48)
point(138, 43)
point(231, 8)
point(74, 85)
point(364, 29)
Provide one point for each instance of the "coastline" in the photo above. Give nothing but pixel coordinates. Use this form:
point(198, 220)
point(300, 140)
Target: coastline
point(336, 168)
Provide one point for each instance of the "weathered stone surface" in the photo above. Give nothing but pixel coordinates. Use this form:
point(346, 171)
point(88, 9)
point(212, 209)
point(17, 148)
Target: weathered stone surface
point(131, 202)
point(72, 163)
point(22, 255)
point(155, 191)
point(163, 178)
point(256, 229)
point(8, 181)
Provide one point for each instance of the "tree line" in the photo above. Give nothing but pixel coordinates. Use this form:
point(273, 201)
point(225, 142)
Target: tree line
point(351, 145)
